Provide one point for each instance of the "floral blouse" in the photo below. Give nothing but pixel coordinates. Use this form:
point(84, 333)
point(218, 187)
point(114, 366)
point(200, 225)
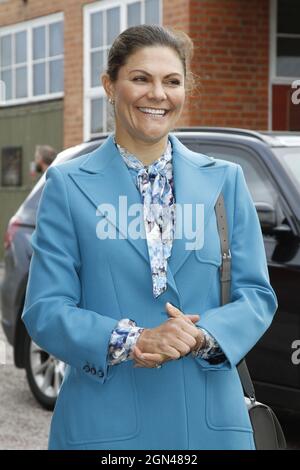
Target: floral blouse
point(156, 186)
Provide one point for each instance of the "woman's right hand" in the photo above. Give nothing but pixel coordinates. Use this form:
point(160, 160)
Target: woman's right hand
point(171, 340)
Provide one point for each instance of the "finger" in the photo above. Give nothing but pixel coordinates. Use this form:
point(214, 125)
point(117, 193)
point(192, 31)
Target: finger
point(181, 347)
point(150, 357)
point(192, 318)
point(138, 357)
point(147, 359)
point(190, 328)
point(139, 363)
point(189, 340)
point(146, 364)
point(172, 352)
point(173, 311)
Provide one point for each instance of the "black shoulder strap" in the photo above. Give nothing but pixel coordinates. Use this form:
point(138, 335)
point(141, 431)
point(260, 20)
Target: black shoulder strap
point(225, 278)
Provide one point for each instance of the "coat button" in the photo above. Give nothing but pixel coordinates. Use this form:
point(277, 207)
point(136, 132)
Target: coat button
point(86, 368)
point(93, 371)
point(100, 373)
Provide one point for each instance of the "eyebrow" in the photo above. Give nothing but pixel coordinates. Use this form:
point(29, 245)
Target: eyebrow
point(149, 74)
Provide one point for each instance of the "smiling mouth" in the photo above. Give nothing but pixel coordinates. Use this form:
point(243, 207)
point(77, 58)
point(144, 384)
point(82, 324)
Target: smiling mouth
point(154, 112)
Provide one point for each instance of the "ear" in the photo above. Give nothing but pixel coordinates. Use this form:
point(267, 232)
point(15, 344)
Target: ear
point(107, 85)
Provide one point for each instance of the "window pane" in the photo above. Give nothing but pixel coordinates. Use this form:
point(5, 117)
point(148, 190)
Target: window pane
point(97, 29)
point(56, 38)
point(21, 82)
point(5, 51)
point(288, 15)
point(97, 68)
point(113, 24)
point(97, 115)
point(6, 77)
point(21, 47)
point(288, 57)
point(39, 42)
point(134, 14)
point(39, 80)
point(152, 12)
point(56, 70)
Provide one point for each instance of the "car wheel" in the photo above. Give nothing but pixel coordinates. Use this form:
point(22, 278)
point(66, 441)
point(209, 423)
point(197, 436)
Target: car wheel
point(44, 374)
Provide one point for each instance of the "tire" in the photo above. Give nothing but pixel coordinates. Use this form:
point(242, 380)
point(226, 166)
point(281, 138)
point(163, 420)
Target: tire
point(44, 374)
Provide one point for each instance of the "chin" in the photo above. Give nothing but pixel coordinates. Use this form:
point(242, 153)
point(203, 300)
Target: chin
point(151, 135)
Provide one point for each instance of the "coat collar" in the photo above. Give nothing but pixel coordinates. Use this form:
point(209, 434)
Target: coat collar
point(103, 177)
point(104, 155)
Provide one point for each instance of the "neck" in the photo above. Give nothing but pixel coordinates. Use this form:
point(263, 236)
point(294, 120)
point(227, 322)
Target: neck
point(146, 152)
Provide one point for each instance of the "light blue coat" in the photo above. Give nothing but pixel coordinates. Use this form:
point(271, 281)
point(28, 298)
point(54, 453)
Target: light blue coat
point(80, 286)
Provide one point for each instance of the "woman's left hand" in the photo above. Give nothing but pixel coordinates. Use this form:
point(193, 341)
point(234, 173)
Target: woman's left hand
point(152, 360)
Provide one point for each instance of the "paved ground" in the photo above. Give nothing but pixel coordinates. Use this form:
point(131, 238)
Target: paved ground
point(24, 424)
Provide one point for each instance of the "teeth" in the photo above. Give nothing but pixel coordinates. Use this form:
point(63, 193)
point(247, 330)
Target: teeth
point(153, 111)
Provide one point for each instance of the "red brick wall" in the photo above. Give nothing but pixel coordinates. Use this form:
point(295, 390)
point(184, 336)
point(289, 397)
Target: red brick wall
point(231, 60)
point(176, 14)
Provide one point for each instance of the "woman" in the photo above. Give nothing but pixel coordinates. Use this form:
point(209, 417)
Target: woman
point(120, 291)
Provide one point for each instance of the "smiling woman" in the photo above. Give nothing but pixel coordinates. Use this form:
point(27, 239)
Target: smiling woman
point(146, 80)
point(116, 308)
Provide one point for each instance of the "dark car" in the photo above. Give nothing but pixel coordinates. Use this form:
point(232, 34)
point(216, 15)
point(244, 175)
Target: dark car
point(271, 164)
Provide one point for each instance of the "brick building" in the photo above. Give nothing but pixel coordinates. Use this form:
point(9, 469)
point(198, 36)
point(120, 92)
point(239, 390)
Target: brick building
point(247, 55)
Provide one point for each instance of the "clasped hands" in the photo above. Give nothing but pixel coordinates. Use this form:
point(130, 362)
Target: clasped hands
point(173, 339)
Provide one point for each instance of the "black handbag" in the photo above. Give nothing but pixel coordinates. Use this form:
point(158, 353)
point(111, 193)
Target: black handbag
point(267, 432)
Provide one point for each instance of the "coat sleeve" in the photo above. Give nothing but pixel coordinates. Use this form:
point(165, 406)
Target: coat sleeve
point(51, 314)
point(238, 325)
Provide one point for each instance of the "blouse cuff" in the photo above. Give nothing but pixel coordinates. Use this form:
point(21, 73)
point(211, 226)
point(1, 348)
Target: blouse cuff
point(210, 350)
point(122, 340)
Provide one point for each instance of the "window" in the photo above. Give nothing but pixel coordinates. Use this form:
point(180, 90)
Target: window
point(103, 22)
point(285, 42)
point(284, 64)
point(32, 60)
point(11, 165)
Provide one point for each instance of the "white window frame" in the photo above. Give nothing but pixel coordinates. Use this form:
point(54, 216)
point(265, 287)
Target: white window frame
point(98, 92)
point(28, 27)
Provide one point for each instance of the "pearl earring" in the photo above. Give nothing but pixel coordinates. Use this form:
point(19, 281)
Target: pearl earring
point(111, 101)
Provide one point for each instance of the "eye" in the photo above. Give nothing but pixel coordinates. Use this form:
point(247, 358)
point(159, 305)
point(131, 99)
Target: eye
point(139, 78)
point(174, 82)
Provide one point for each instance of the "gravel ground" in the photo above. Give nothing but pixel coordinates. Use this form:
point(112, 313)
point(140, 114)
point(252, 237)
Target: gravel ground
point(24, 424)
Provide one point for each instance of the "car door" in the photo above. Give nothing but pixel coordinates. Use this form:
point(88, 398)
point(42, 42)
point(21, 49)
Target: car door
point(270, 361)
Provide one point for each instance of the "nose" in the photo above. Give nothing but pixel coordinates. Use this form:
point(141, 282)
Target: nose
point(157, 92)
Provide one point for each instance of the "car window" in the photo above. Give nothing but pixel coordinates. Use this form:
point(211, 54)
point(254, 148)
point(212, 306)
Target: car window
point(258, 181)
point(289, 158)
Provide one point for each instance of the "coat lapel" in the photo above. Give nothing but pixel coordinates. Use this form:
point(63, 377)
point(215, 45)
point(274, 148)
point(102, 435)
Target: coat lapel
point(103, 177)
point(197, 180)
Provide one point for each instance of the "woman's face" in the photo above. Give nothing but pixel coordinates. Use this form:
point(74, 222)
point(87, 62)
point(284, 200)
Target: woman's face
point(149, 94)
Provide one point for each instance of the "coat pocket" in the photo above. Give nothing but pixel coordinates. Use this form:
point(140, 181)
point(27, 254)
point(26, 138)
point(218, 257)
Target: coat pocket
point(208, 258)
point(101, 412)
point(225, 403)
